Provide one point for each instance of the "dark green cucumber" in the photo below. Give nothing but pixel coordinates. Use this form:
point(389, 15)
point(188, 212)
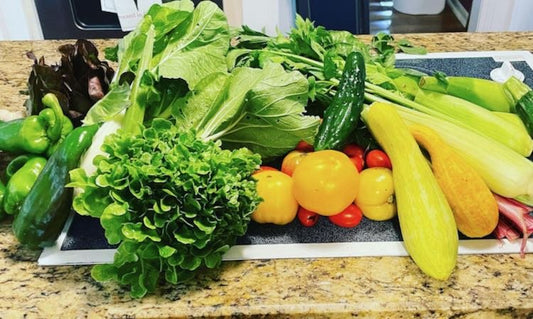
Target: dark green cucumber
point(341, 116)
point(524, 109)
point(46, 208)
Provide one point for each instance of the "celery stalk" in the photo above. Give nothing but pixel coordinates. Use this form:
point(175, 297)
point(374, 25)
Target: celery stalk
point(485, 93)
point(511, 118)
point(478, 119)
point(506, 172)
point(408, 85)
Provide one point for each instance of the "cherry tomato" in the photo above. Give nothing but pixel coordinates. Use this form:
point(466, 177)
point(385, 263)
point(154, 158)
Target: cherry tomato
point(359, 162)
point(291, 160)
point(307, 217)
point(303, 146)
point(350, 217)
point(378, 158)
point(278, 206)
point(354, 150)
point(263, 168)
point(325, 182)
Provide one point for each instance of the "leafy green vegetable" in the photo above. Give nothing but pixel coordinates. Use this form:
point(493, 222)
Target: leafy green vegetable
point(114, 102)
point(78, 80)
point(162, 186)
point(319, 54)
point(407, 47)
point(174, 203)
point(261, 109)
point(386, 46)
point(164, 190)
point(196, 47)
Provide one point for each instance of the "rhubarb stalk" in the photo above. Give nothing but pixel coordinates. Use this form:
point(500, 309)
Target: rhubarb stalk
point(518, 215)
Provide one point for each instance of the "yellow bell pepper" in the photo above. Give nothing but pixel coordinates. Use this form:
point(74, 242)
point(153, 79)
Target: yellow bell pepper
point(279, 206)
point(376, 194)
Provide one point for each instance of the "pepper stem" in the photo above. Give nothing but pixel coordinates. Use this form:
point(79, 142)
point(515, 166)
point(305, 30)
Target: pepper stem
point(56, 125)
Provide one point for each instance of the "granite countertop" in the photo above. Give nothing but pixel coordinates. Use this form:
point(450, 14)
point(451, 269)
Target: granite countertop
point(482, 286)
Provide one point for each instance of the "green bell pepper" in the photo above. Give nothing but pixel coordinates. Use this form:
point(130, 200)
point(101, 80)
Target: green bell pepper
point(2, 192)
point(67, 127)
point(15, 164)
point(36, 133)
point(46, 208)
point(21, 182)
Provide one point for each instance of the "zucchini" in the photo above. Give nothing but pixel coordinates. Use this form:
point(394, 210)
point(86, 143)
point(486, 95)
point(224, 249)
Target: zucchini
point(426, 220)
point(341, 116)
point(522, 96)
point(47, 206)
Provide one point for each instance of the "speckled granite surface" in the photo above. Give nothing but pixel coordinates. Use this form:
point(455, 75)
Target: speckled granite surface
point(482, 286)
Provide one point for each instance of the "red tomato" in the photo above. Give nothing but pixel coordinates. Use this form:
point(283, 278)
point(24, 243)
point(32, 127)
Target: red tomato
point(350, 217)
point(358, 162)
point(263, 168)
point(303, 146)
point(307, 217)
point(378, 158)
point(354, 150)
point(291, 160)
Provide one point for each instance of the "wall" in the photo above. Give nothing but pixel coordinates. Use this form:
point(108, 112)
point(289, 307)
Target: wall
point(497, 15)
point(19, 21)
point(521, 16)
point(270, 16)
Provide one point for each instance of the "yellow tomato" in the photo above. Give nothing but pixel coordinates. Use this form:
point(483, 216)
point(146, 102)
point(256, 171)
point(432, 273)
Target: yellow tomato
point(376, 193)
point(325, 182)
point(291, 160)
point(278, 206)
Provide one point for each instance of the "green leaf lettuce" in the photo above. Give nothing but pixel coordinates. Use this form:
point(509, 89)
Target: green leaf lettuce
point(172, 202)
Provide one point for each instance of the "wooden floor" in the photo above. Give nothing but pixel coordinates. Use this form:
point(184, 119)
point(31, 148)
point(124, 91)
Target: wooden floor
point(384, 18)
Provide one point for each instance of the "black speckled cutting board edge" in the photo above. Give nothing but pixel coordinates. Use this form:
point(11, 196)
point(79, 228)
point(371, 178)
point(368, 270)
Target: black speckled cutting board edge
point(83, 241)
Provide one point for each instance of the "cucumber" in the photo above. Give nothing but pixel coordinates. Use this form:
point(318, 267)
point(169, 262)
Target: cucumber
point(524, 109)
point(341, 116)
point(47, 206)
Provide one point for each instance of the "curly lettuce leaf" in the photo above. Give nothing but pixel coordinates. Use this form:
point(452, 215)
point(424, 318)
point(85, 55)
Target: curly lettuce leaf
point(173, 203)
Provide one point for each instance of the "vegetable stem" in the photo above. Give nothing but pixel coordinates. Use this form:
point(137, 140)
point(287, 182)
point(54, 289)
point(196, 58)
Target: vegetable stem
point(135, 113)
point(518, 215)
point(515, 88)
point(299, 58)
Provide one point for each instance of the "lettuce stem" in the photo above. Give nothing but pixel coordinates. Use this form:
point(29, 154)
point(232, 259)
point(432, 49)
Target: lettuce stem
point(134, 117)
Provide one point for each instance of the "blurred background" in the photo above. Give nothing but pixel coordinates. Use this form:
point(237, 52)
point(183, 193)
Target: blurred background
point(66, 19)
